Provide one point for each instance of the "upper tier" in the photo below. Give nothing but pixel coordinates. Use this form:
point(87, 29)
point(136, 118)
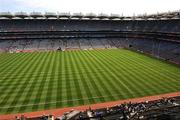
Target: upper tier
point(17, 25)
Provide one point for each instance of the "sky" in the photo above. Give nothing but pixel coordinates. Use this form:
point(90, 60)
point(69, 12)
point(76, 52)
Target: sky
point(122, 7)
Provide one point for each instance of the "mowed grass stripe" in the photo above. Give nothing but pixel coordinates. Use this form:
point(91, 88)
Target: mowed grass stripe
point(11, 72)
point(46, 79)
point(108, 75)
point(139, 75)
point(3, 56)
point(55, 74)
point(158, 65)
point(143, 73)
point(68, 63)
point(124, 79)
point(115, 79)
point(7, 62)
point(12, 63)
point(59, 93)
point(77, 79)
point(90, 68)
point(29, 93)
point(100, 77)
point(139, 80)
point(155, 74)
point(17, 83)
point(92, 76)
point(7, 88)
point(42, 80)
point(20, 88)
point(119, 74)
point(103, 78)
point(85, 84)
point(4, 60)
point(3, 78)
point(7, 71)
point(23, 90)
point(52, 68)
point(170, 76)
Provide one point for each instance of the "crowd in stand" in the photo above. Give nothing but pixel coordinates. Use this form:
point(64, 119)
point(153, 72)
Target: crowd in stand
point(169, 51)
point(38, 45)
point(162, 109)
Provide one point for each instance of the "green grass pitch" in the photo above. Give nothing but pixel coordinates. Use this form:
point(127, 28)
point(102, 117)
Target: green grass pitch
point(47, 80)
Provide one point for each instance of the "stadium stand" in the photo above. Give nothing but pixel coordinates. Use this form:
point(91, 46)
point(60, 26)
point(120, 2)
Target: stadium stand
point(154, 35)
point(162, 109)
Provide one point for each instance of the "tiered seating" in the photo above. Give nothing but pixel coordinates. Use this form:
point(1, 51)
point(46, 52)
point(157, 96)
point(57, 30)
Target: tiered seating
point(73, 44)
point(85, 44)
point(89, 25)
point(162, 109)
point(68, 44)
point(96, 44)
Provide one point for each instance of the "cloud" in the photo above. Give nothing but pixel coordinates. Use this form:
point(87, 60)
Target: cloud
point(19, 5)
point(127, 7)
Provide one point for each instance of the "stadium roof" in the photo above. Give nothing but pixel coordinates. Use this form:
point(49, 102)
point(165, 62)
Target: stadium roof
point(49, 15)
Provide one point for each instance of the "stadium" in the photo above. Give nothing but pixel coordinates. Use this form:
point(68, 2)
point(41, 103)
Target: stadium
point(89, 67)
